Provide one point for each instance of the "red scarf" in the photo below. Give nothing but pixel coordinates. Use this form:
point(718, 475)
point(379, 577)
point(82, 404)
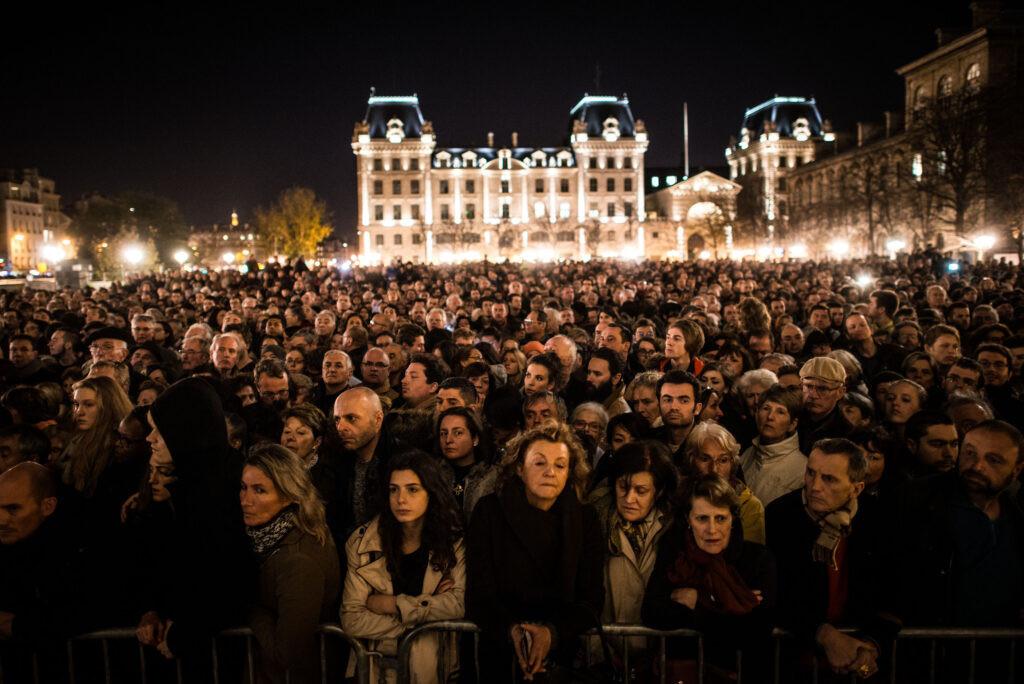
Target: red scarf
point(719, 585)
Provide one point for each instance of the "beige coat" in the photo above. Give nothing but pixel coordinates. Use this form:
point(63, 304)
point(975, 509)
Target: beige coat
point(368, 575)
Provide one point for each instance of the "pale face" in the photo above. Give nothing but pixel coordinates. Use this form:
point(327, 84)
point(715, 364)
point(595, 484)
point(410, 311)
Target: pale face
point(299, 438)
point(820, 397)
point(712, 458)
point(711, 525)
point(537, 379)
point(857, 328)
point(85, 407)
point(675, 344)
point(544, 472)
point(225, 353)
point(774, 422)
point(945, 351)
point(261, 502)
point(714, 380)
point(752, 397)
point(456, 440)
point(160, 474)
point(511, 364)
point(588, 423)
point(903, 403)
point(828, 483)
point(678, 405)
point(335, 370)
point(960, 380)
point(407, 497)
point(635, 496)
point(539, 412)
point(989, 462)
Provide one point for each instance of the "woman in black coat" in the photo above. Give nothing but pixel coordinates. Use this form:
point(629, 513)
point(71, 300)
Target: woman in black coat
point(709, 578)
point(534, 558)
point(204, 576)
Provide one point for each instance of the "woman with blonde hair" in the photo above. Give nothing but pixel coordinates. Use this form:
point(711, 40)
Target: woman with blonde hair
point(534, 552)
point(299, 574)
point(515, 366)
point(98, 406)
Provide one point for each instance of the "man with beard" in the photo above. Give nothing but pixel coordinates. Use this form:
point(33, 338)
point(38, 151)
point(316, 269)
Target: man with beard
point(679, 400)
point(932, 442)
point(275, 391)
point(959, 538)
point(604, 382)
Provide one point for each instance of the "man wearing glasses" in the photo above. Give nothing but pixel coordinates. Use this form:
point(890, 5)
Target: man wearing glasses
point(823, 381)
point(996, 363)
point(108, 344)
point(376, 366)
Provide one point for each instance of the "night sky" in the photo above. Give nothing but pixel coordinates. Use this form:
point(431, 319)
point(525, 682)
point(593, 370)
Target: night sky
point(219, 110)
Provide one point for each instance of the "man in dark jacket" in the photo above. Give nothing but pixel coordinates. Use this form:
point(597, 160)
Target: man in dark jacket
point(823, 380)
point(828, 573)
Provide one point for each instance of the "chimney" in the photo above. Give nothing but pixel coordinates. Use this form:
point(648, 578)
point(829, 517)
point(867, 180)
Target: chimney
point(515, 139)
point(490, 138)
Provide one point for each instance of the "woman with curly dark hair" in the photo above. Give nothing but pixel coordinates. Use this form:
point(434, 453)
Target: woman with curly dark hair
point(536, 555)
point(407, 566)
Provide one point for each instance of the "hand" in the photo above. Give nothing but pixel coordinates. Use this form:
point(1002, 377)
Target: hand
point(382, 604)
point(864, 664)
point(758, 595)
point(129, 505)
point(686, 596)
point(447, 584)
point(533, 662)
point(162, 647)
point(150, 631)
point(840, 649)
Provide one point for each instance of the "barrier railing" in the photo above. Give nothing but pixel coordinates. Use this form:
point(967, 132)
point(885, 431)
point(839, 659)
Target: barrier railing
point(363, 657)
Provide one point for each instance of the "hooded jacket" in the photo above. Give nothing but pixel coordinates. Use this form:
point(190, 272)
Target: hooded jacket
point(206, 574)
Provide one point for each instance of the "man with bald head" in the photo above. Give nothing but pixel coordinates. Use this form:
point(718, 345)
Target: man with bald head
point(358, 417)
point(40, 568)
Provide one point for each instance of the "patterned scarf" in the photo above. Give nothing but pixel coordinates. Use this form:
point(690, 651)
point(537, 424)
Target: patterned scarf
point(636, 534)
point(834, 526)
point(264, 537)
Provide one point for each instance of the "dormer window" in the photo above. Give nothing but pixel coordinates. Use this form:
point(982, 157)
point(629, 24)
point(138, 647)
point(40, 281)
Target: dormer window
point(396, 131)
point(610, 130)
point(745, 139)
point(801, 129)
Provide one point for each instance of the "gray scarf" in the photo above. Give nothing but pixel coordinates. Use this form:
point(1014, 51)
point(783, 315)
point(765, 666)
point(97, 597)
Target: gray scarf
point(264, 537)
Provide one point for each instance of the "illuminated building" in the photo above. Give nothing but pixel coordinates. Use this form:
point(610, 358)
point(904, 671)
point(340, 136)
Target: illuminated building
point(211, 244)
point(33, 225)
point(424, 203)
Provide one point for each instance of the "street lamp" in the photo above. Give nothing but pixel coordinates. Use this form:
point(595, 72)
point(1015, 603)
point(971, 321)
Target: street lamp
point(228, 257)
point(983, 242)
point(132, 254)
point(894, 246)
point(181, 256)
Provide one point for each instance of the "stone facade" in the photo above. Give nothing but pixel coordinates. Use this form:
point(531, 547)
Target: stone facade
point(34, 231)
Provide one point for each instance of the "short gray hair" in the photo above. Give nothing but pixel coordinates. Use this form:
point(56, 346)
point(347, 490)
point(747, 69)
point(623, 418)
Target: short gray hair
point(756, 377)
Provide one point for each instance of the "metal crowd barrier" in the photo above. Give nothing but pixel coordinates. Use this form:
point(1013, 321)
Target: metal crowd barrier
point(363, 657)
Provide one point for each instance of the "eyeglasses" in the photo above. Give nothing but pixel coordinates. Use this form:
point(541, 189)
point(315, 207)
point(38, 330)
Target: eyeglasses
point(998, 365)
point(818, 389)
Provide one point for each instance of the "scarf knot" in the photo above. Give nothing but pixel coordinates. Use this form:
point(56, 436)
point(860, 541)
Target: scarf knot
point(264, 537)
point(720, 588)
point(834, 527)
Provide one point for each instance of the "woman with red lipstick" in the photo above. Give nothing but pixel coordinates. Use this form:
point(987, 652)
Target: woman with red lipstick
point(407, 566)
point(709, 578)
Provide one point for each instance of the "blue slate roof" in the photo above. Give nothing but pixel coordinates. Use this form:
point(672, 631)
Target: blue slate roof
point(784, 111)
point(381, 109)
point(595, 109)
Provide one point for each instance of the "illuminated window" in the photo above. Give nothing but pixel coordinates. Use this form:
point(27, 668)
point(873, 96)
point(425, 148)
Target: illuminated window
point(378, 187)
point(670, 180)
point(564, 210)
point(655, 181)
point(592, 211)
point(920, 98)
point(538, 210)
point(917, 166)
point(945, 89)
point(973, 77)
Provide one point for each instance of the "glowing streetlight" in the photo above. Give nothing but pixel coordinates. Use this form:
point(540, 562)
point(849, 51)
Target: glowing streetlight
point(984, 242)
point(181, 256)
point(893, 246)
point(53, 253)
point(228, 257)
point(839, 247)
point(798, 251)
point(133, 254)
point(864, 280)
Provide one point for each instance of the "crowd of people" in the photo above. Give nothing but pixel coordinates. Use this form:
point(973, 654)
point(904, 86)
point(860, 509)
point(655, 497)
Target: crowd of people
point(830, 448)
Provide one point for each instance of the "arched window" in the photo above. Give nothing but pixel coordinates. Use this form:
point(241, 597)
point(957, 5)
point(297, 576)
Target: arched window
point(920, 98)
point(972, 79)
point(945, 89)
